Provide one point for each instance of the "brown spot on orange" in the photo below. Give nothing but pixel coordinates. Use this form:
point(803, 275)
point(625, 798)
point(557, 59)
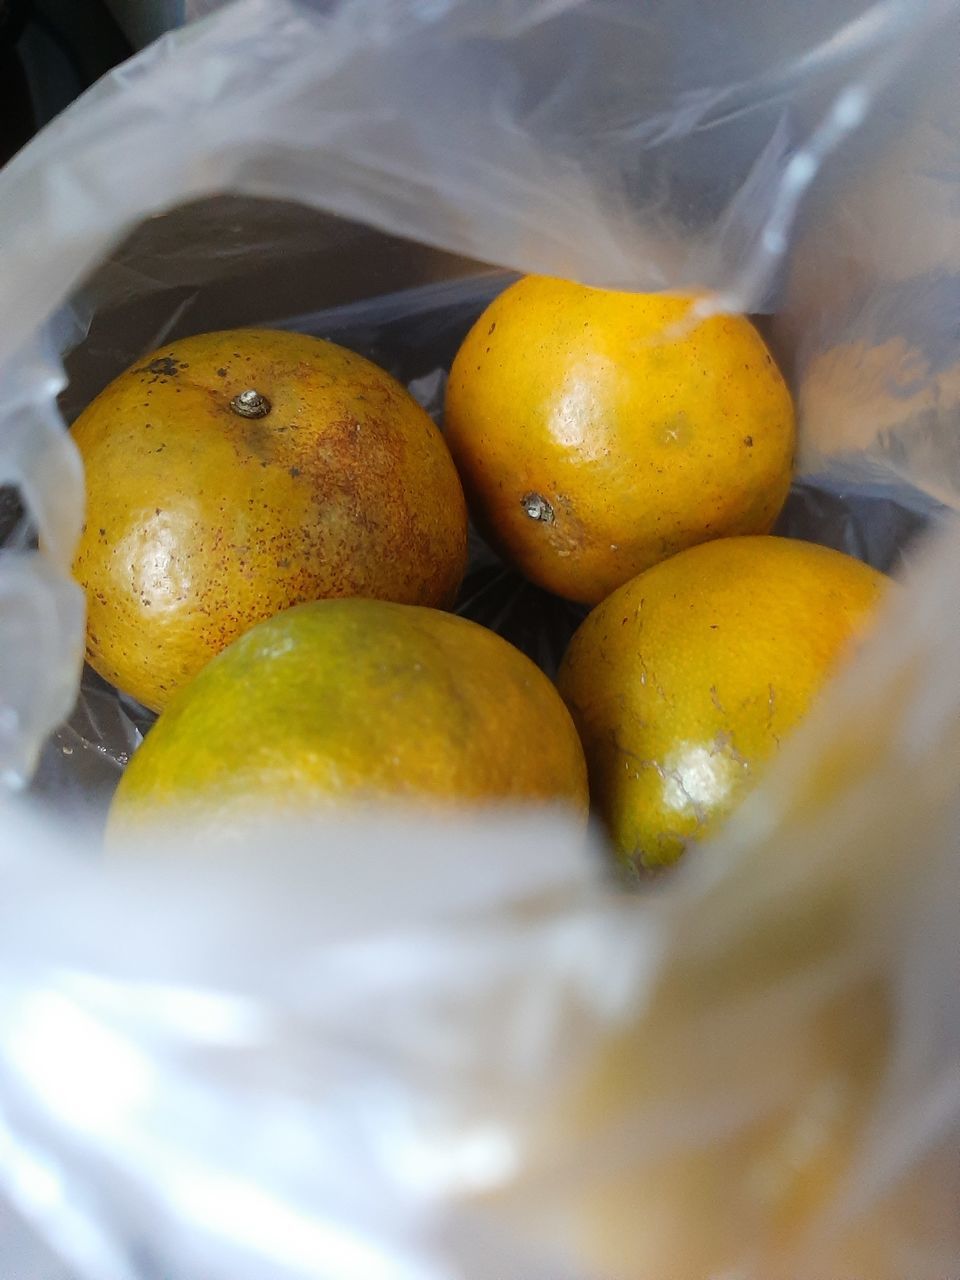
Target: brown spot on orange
point(161, 366)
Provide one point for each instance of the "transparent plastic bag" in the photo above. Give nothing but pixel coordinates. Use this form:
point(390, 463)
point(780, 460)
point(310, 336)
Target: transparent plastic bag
point(373, 1050)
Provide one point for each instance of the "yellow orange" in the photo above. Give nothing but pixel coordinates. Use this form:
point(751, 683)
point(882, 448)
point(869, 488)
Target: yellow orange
point(598, 432)
point(202, 521)
point(356, 701)
point(684, 681)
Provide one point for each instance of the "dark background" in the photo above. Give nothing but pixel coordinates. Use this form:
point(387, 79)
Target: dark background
point(50, 51)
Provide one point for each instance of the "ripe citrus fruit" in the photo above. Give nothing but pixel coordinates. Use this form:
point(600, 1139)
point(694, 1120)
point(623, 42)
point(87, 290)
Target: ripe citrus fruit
point(356, 700)
point(232, 474)
point(598, 432)
point(683, 682)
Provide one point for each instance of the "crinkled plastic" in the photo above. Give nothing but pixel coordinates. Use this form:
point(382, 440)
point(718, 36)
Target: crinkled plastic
point(421, 1053)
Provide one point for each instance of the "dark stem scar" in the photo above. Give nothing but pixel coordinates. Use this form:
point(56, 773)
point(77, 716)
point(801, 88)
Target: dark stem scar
point(538, 508)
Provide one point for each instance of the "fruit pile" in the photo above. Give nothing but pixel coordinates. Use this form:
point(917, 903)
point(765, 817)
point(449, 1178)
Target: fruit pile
point(275, 532)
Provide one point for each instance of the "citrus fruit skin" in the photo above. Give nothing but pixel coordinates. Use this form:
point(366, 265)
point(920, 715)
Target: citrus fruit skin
point(357, 700)
point(598, 432)
point(684, 681)
point(201, 522)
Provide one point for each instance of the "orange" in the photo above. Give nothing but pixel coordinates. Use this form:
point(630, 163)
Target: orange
point(598, 432)
point(685, 680)
point(202, 521)
point(356, 700)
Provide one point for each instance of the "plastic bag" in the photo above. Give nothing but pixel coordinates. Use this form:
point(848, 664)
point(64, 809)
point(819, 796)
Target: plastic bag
point(385, 1058)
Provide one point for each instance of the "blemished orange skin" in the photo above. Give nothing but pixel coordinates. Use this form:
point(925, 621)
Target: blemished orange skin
point(598, 432)
point(200, 522)
point(355, 701)
point(684, 681)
